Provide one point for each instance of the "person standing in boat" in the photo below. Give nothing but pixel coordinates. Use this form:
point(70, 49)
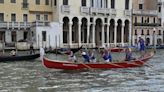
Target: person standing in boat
point(142, 44)
point(72, 56)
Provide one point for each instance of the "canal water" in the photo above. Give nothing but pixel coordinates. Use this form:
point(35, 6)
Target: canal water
point(31, 76)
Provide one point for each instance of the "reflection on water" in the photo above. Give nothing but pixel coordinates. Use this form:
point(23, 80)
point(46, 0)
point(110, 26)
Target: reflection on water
point(31, 76)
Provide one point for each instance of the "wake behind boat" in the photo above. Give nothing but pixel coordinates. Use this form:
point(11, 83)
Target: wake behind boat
point(19, 57)
point(66, 65)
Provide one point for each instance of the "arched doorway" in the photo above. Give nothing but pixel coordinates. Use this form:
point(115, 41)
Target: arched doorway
point(126, 31)
point(65, 30)
point(119, 27)
point(75, 30)
point(98, 32)
point(111, 31)
point(84, 30)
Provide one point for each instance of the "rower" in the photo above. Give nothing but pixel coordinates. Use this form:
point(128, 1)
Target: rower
point(71, 56)
point(86, 57)
point(92, 57)
point(107, 56)
point(128, 56)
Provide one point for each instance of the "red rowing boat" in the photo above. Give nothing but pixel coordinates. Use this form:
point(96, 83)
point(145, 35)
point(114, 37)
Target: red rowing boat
point(117, 49)
point(66, 65)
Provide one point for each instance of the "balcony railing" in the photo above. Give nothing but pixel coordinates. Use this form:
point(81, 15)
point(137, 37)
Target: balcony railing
point(93, 10)
point(113, 11)
point(22, 25)
point(147, 24)
point(65, 8)
point(84, 10)
point(3, 24)
point(127, 12)
point(25, 24)
point(100, 10)
point(145, 12)
point(40, 23)
point(18, 25)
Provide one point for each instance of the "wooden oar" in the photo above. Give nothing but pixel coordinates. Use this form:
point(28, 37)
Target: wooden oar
point(116, 65)
point(88, 67)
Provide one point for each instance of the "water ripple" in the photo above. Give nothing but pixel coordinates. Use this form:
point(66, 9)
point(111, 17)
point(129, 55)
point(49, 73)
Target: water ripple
point(33, 77)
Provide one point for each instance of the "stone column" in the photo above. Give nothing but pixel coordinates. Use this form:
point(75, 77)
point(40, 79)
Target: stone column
point(122, 35)
point(70, 33)
point(115, 34)
point(79, 33)
point(130, 33)
point(88, 35)
point(107, 34)
point(93, 34)
point(102, 35)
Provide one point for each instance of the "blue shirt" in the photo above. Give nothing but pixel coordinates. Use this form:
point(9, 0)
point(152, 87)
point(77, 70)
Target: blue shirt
point(86, 58)
point(128, 56)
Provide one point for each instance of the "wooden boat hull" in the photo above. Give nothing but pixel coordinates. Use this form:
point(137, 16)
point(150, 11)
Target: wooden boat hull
point(19, 58)
point(66, 65)
point(117, 49)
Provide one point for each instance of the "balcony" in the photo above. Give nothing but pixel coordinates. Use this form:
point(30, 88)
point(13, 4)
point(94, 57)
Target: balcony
point(65, 8)
point(40, 23)
point(113, 12)
point(100, 11)
point(127, 12)
point(145, 12)
point(93, 10)
point(3, 25)
point(15, 25)
point(25, 24)
point(84, 9)
point(147, 24)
